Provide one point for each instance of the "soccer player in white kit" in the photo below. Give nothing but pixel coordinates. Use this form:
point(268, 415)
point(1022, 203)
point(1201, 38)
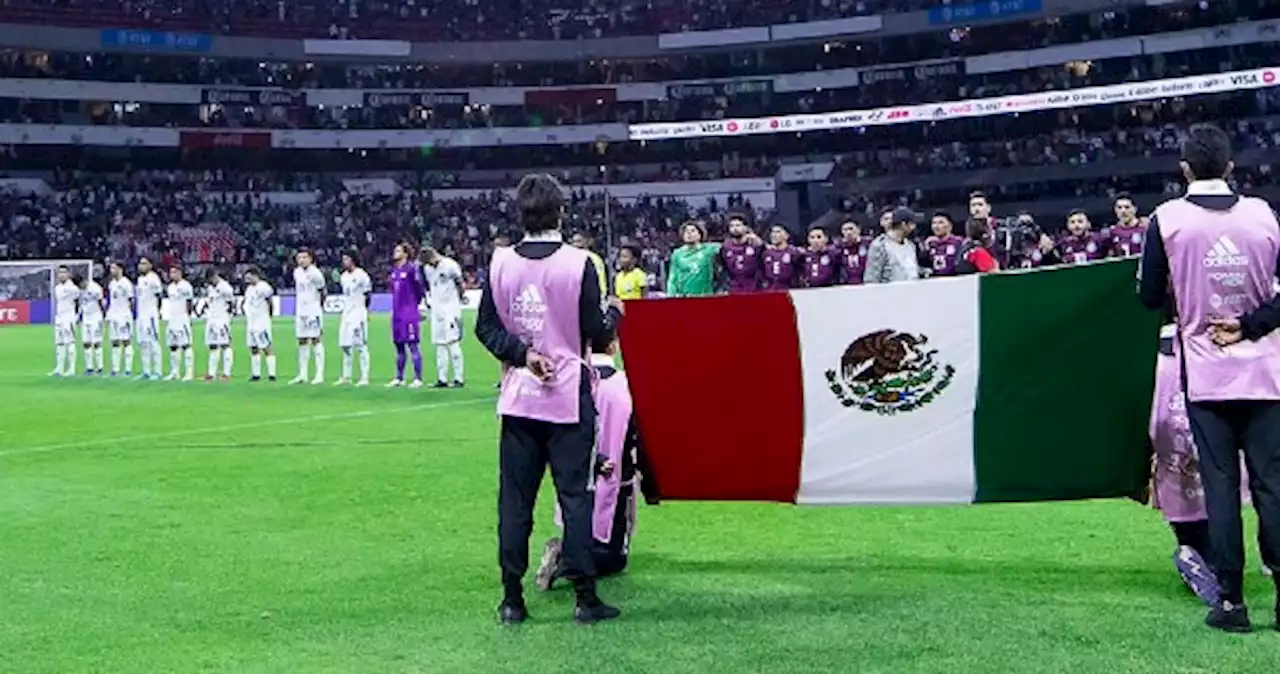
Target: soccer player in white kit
point(66, 295)
point(444, 292)
point(177, 329)
point(309, 290)
point(149, 289)
point(353, 333)
point(120, 319)
point(257, 315)
point(217, 325)
point(91, 301)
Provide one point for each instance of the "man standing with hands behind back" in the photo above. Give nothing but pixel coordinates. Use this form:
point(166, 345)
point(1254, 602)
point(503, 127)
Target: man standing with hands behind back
point(539, 313)
point(1218, 252)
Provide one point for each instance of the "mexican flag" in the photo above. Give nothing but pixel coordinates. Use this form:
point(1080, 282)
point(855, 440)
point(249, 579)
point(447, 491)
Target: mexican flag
point(1021, 386)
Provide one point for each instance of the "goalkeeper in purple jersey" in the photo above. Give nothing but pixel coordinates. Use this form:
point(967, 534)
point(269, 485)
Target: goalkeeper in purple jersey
point(407, 291)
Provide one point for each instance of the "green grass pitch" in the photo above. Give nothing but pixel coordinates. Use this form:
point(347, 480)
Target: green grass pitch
point(208, 527)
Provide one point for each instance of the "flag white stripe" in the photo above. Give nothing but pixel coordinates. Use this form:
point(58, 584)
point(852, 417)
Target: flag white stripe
point(924, 455)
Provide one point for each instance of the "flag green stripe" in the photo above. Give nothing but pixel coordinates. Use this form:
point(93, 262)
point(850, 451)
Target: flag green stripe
point(1064, 393)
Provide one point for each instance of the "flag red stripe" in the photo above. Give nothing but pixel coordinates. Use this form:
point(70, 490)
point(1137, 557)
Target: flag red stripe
point(718, 395)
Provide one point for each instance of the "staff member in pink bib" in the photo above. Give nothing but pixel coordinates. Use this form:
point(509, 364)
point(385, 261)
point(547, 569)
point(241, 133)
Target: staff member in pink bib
point(1219, 253)
point(540, 312)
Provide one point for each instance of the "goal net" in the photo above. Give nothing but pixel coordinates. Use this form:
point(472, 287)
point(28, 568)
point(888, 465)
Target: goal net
point(34, 279)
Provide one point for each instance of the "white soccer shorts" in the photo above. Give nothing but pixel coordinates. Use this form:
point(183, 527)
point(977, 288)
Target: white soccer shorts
point(148, 328)
point(178, 335)
point(353, 332)
point(446, 327)
point(308, 327)
point(64, 332)
point(258, 336)
point(91, 331)
point(217, 333)
point(121, 328)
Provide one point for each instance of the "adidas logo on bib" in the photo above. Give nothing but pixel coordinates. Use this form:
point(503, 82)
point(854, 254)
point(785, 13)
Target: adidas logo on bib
point(1225, 254)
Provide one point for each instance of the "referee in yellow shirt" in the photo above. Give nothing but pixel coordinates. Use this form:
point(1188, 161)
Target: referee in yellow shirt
point(631, 281)
point(583, 240)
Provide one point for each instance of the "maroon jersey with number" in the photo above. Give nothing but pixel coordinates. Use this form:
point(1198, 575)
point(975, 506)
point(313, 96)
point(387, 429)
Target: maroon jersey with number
point(1028, 258)
point(853, 262)
point(1084, 248)
point(822, 267)
point(1126, 241)
point(942, 252)
point(742, 262)
point(780, 267)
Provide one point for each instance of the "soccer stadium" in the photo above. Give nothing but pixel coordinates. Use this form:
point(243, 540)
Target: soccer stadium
point(820, 318)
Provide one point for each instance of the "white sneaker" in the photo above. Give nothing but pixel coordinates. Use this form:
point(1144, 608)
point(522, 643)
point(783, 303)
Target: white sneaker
point(56, 373)
point(189, 377)
point(395, 383)
point(173, 376)
point(362, 383)
point(297, 380)
point(342, 382)
point(317, 381)
point(417, 383)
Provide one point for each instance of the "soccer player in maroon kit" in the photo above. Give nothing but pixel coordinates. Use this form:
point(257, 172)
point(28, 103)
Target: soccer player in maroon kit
point(742, 256)
point(1081, 244)
point(1127, 235)
point(853, 257)
point(781, 260)
point(943, 248)
point(822, 261)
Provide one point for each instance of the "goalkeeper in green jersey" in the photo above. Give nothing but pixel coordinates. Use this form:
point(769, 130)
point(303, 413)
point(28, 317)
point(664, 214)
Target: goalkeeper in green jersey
point(693, 265)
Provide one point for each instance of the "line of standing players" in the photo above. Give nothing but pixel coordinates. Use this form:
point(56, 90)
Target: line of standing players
point(745, 263)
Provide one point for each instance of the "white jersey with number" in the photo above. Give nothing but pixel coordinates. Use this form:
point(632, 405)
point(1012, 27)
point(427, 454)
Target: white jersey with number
point(257, 314)
point(446, 303)
point(307, 285)
point(217, 323)
point(91, 313)
point(354, 329)
point(149, 290)
point(120, 309)
point(65, 297)
point(178, 317)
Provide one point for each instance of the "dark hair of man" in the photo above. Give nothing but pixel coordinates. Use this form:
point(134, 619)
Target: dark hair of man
point(738, 215)
point(634, 250)
point(1207, 151)
point(817, 227)
point(541, 202)
point(427, 253)
point(354, 254)
point(304, 250)
point(602, 341)
point(978, 194)
point(252, 270)
point(1077, 211)
point(177, 266)
point(117, 264)
point(1123, 196)
point(977, 229)
point(212, 274)
point(942, 214)
point(63, 267)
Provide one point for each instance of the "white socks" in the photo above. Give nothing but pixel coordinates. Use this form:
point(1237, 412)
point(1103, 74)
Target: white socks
point(347, 362)
point(189, 357)
point(213, 363)
point(65, 359)
point(304, 360)
point(447, 354)
point(442, 363)
point(255, 365)
point(455, 356)
point(157, 359)
point(121, 354)
point(228, 356)
point(319, 351)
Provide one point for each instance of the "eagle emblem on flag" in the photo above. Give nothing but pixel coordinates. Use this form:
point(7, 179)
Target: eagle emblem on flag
point(888, 372)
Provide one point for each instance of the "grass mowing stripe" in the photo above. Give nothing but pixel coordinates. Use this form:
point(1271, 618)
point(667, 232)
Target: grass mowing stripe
point(360, 414)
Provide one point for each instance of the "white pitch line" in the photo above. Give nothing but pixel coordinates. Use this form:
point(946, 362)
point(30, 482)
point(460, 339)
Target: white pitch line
point(43, 449)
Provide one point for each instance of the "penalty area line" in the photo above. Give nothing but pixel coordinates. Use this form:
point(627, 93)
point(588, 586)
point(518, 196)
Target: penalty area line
point(44, 449)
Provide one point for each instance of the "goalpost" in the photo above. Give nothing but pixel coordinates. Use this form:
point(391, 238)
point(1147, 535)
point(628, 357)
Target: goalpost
point(33, 280)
